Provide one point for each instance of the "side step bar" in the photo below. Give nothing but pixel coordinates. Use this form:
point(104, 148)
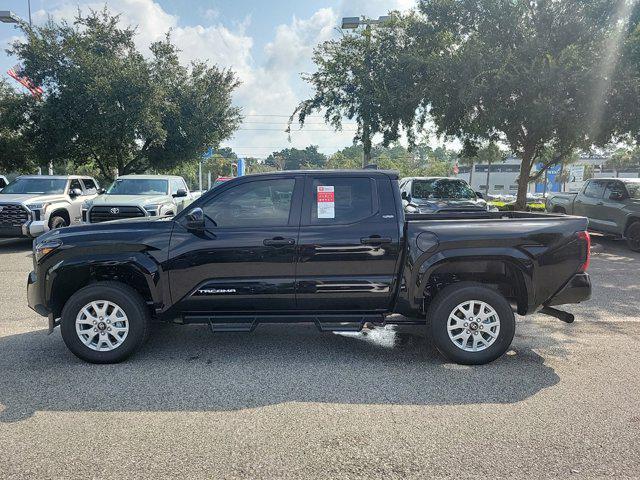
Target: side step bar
point(325, 323)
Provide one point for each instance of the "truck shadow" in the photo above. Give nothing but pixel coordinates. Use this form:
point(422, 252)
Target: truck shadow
point(15, 245)
point(189, 369)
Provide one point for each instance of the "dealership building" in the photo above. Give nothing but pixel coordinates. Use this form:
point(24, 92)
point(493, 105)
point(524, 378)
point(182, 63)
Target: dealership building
point(503, 177)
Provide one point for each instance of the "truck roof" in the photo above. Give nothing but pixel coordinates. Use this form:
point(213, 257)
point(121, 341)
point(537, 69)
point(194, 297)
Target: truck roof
point(347, 172)
point(625, 179)
point(57, 177)
point(149, 177)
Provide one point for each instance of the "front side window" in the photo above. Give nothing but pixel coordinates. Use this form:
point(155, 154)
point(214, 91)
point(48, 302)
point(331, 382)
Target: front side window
point(42, 186)
point(442, 188)
point(139, 186)
point(176, 184)
point(90, 185)
point(263, 203)
point(595, 189)
point(75, 185)
point(341, 200)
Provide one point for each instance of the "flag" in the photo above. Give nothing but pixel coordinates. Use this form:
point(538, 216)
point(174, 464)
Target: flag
point(26, 82)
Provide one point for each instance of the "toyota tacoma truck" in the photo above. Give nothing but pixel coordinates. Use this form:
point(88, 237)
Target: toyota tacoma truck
point(612, 206)
point(134, 196)
point(34, 204)
point(329, 247)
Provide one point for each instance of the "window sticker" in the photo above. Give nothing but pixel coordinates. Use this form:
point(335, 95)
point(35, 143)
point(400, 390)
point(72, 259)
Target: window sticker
point(326, 202)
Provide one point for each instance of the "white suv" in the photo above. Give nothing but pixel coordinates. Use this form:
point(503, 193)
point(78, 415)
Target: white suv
point(34, 204)
point(134, 196)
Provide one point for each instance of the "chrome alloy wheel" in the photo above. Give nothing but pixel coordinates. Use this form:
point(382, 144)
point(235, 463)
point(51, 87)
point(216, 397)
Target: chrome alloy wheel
point(473, 326)
point(102, 325)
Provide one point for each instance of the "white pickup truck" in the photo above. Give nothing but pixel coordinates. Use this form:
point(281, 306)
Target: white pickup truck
point(34, 204)
point(132, 196)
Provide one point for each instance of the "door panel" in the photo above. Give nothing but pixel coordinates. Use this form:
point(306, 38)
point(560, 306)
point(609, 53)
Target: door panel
point(590, 201)
point(348, 262)
point(245, 259)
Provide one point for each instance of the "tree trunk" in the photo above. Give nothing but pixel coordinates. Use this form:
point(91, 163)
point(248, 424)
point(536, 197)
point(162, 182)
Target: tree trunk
point(366, 145)
point(523, 180)
point(488, 177)
point(473, 164)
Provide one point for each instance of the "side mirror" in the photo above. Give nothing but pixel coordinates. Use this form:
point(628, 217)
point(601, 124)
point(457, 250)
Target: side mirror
point(479, 195)
point(195, 220)
point(75, 192)
point(616, 196)
point(102, 191)
point(406, 196)
point(181, 192)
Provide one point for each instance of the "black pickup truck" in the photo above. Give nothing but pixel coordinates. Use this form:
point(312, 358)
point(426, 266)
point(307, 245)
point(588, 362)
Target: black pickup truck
point(329, 247)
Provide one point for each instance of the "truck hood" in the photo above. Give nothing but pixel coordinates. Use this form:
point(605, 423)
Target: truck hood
point(130, 200)
point(427, 206)
point(29, 198)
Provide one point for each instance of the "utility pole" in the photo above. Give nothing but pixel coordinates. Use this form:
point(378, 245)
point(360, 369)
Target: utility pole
point(352, 23)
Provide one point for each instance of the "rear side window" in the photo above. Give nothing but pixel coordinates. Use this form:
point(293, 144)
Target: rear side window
point(615, 187)
point(341, 200)
point(595, 189)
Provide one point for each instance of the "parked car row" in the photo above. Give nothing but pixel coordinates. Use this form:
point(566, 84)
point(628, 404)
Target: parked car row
point(34, 204)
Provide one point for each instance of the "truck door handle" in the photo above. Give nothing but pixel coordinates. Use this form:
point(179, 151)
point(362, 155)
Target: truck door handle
point(600, 203)
point(578, 201)
point(278, 242)
point(375, 240)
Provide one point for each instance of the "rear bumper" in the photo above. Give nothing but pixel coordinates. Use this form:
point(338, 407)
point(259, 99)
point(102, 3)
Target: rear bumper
point(576, 290)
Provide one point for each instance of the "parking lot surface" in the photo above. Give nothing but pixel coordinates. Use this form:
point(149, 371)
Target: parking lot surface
point(290, 402)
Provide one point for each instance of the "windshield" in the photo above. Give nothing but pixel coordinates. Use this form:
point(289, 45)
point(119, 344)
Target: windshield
point(139, 186)
point(441, 188)
point(43, 186)
point(634, 190)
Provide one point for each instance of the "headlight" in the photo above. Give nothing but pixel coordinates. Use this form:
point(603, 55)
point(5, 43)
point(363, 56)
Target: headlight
point(153, 209)
point(86, 205)
point(492, 208)
point(37, 206)
point(45, 247)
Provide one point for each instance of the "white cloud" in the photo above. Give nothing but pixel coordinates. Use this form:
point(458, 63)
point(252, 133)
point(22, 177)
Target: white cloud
point(273, 86)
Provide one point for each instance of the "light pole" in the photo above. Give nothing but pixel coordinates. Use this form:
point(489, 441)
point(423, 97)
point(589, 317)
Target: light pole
point(352, 23)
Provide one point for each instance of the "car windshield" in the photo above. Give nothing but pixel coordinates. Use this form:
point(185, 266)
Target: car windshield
point(43, 186)
point(441, 188)
point(634, 190)
point(139, 186)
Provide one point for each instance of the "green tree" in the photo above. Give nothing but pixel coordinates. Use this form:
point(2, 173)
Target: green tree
point(624, 159)
point(296, 159)
point(106, 103)
point(363, 76)
point(15, 153)
point(527, 73)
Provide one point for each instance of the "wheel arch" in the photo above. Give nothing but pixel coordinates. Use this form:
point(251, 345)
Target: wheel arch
point(60, 212)
point(630, 221)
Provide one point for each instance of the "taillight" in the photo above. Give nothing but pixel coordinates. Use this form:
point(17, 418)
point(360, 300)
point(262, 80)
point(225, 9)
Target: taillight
point(586, 238)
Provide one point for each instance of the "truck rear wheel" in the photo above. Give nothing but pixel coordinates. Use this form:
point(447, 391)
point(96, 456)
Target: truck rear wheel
point(104, 322)
point(471, 324)
point(633, 236)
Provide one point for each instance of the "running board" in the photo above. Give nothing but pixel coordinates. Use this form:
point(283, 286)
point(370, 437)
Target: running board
point(325, 323)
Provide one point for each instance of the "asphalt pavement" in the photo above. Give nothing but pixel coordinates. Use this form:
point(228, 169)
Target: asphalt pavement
point(291, 402)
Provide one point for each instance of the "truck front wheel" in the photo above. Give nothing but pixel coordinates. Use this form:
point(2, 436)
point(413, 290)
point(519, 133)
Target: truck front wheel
point(471, 324)
point(104, 322)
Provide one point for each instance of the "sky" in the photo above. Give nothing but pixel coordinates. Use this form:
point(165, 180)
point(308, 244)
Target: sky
point(267, 43)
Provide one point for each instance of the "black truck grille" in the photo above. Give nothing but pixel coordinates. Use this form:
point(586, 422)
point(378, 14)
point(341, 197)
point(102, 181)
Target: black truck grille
point(13, 215)
point(104, 214)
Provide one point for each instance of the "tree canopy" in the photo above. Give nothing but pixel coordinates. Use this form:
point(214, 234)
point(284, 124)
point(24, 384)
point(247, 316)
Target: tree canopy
point(107, 104)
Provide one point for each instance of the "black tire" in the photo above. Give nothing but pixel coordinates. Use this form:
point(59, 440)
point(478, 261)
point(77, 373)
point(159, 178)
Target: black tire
point(633, 236)
point(443, 306)
point(123, 296)
point(57, 221)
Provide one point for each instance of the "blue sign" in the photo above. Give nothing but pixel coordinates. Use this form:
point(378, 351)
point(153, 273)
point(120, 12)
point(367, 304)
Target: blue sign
point(208, 153)
point(241, 167)
point(552, 173)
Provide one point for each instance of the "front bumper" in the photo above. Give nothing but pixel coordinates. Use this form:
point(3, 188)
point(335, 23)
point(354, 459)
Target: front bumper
point(576, 290)
point(34, 295)
point(30, 229)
